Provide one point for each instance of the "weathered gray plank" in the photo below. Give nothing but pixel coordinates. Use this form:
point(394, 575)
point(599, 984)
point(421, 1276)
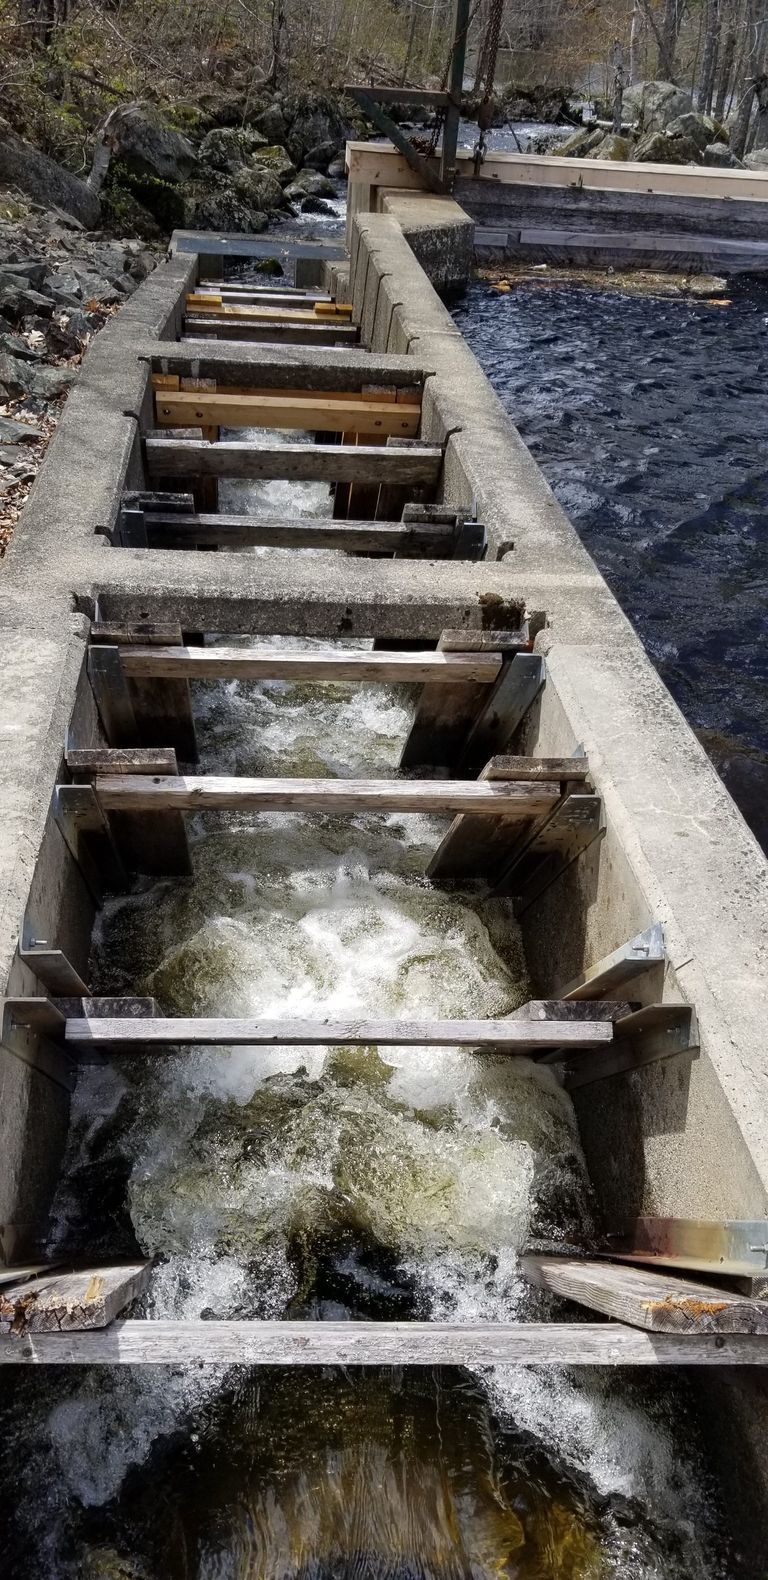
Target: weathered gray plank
point(505, 1036)
point(647, 1299)
point(122, 760)
point(305, 334)
point(305, 532)
point(517, 687)
point(383, 1344)
point(473, 848)
point(265, 663)
point(444, 717)
point(189, 793)
point(362, 463)
point(89, 840)
point(65, 1302)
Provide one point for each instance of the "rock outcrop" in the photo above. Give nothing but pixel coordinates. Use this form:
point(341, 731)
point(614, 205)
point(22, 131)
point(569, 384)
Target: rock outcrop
point(43, 180)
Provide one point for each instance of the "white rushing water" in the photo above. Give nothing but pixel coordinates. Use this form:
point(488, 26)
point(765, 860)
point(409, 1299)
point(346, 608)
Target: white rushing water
point(333, 1182)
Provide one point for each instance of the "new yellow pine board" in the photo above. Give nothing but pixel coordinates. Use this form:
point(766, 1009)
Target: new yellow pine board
point(186, 409)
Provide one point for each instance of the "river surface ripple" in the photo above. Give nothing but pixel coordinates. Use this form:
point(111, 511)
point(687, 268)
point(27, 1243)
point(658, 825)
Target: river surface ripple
point(648, 417)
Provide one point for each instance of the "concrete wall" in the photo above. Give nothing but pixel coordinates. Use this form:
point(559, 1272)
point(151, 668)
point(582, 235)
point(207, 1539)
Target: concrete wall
point(680, 1138)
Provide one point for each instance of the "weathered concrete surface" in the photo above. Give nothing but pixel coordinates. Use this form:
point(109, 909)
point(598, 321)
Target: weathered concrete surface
point(440, 234)
point(682, 853)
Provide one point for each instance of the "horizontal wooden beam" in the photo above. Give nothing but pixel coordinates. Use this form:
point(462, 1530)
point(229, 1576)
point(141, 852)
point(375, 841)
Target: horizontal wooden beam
point(504, 1036)
point(431, 98)
point(305, 532)
point(306, 334)
point(205, 409)
point(331, 463)
point(381, 164)
point(647, 1299)
point(265, 663)
point(208, 303)
point(199, 793)
point(382, 1344)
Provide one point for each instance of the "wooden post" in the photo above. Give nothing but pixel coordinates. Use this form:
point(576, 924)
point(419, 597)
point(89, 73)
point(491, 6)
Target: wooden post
point(147, 712)
point(474, 851)
point(516, 689)
point(154, 843)
point(445, 715)
point(88, 837)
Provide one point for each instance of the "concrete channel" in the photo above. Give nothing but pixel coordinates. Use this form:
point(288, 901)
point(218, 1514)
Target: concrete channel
point(646, 897)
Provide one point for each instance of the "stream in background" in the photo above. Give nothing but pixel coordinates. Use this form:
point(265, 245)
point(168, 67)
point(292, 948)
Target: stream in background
point(648, 417)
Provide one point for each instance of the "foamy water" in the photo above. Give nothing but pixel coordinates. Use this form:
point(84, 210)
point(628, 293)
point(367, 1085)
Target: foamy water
point(336, 1182)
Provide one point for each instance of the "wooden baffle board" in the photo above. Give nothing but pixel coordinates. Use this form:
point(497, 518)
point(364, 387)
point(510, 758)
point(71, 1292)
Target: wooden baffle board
point(203, 403)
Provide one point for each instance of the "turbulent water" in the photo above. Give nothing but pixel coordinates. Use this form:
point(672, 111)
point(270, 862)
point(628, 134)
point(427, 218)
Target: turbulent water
point(333, 1183)
point(648, 418)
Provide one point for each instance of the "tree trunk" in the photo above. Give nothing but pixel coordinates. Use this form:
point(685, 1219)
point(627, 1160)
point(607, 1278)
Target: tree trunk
point(726, 68)
point(761, 122)
point(670, 29)
point(634, 36)
point(409, 45)
point(750, 75)
point(618, 87)
point(709, 57)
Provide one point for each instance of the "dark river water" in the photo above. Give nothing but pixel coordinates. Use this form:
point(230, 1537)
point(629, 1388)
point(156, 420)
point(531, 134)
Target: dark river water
point(648, 417)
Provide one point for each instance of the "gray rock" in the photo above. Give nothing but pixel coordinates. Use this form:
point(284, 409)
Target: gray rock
point(757, 160)
point(309, 183)
point(67, 338)
point(15, 376)
point(658, 148)
point(140, 136)
point(229, 148)
point(581, 143)
point(258, 187)
point(720, 156)
point(319, 157)
point(315, 120)
point(611, 146)
point(12, 432)
point(65, 283)
point(654, 104)
point(222, 210)
point(337, 169)
point(16, 347)
point(17, 300)
point(315, 205)
point(701, 129)
point(273, 124)
point(33, 270)
point(41, 178)
point(47, 383)
point(275, 158)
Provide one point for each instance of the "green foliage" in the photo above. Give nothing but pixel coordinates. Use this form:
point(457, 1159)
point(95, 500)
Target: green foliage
point(163, 200)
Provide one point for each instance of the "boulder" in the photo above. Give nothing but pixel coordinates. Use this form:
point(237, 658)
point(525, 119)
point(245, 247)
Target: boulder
point(15, 377)
point(16, 347)
point(275, 158)
point(48, 383)
point(658, 149)
point(272, 123)
point(222, 210)
point(315, 205)
point(337, 169)
point(321, 156)
point(42, 179)
point(720, 156)
point(314, 119)
point(701, 129)
point(259, 188)
point(654, 104)
point(757, 160)
point(17, 299)
point(581, 143)
point(229, 148)
point(12, 432)
point(611, 146)
point(146, 144)
point(310, 183)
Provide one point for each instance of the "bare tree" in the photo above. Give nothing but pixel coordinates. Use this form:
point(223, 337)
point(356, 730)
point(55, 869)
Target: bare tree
point(709, 56)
